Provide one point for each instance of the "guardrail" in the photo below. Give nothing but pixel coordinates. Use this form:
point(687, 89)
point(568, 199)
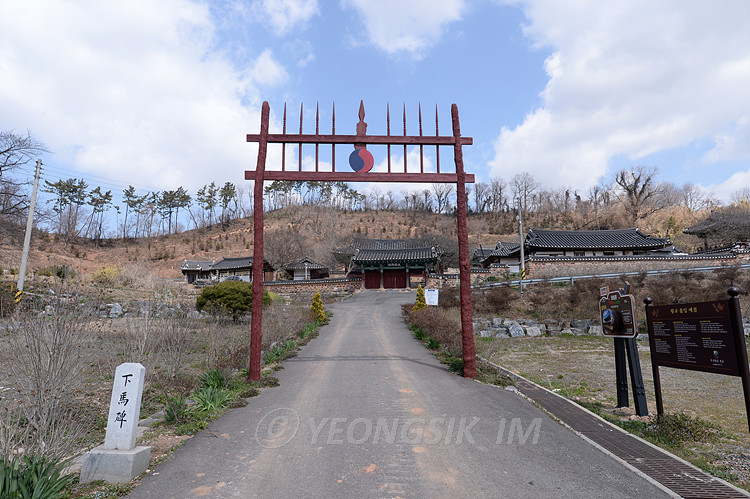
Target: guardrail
point(612, 275)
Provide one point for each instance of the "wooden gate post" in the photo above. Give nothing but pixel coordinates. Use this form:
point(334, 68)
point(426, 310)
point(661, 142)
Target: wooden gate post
point(467, 325)
point(256, 320)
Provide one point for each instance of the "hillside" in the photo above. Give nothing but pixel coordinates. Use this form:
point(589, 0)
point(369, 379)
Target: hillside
point(304, 231)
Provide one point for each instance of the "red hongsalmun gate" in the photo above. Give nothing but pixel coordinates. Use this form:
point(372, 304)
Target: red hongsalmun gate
point(361, 161)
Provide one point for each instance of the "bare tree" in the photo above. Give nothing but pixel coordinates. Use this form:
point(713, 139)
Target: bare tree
point(282, 247)
point(16, 151)
point(523, 186)
point(481, 196)
point(496, 194)
point(639, 192)
point(442, 194)
point(694, 198)
point(741, 196)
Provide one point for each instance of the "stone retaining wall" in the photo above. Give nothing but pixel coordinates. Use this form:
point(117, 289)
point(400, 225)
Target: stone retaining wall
point(543, 268)
point(349, 285)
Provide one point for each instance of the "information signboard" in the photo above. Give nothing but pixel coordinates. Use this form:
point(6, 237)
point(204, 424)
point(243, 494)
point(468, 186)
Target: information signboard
point(618, 315)
point(705, 336)
point(431, 296)
point(696, 336)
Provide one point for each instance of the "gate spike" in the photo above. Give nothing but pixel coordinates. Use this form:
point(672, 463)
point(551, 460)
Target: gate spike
point(420, 119)
point(388, 128)
point(299, 149)
point(437, 134)
point(421, 147)
point(388, 118)
point(361, 110)
point(333, 132)
point(283, 144)
point(405, 168)
point(317, 132)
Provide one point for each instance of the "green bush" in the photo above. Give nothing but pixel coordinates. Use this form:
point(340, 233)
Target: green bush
point(209, 399)
point(32, 477)
point(176, 410)
point(213, 378)
point(317, 308)
point(235, 298)
point(420, 303)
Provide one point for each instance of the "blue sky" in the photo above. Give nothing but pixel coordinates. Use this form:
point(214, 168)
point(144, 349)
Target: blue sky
point(161, 94)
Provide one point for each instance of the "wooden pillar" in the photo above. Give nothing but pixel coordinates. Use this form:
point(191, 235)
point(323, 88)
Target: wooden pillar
point(467, 326)
point(382, 279)
point(256, 335)
point(408, 280)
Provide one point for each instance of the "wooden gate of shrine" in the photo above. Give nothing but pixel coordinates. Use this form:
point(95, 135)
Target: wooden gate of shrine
point(360, 161)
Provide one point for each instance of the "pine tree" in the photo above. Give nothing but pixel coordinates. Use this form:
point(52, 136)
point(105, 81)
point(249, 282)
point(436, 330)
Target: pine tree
point(421, 303)
point(317, 308)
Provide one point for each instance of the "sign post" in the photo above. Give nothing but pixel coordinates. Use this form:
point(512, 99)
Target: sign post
point(619, 322)
point(702, 336)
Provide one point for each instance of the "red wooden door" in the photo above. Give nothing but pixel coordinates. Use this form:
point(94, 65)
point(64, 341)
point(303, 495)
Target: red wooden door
point(394, 278)
point(372, 279)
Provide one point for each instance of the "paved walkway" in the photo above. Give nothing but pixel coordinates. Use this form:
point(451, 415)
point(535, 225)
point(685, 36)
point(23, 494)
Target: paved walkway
point(366, 411)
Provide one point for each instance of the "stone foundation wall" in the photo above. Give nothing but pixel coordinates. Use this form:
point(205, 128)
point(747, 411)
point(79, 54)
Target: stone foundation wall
point(349, 285)
point(545, 269)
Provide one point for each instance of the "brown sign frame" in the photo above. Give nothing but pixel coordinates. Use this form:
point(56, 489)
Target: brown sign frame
point(701, 336)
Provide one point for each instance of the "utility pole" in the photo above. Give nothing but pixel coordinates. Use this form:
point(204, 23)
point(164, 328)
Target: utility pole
point(520, 234)
point(27, 237)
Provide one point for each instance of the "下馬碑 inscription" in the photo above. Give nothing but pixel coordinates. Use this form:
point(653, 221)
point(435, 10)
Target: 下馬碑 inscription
point(125, 406)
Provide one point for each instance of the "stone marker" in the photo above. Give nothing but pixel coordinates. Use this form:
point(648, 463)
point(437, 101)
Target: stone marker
point(119, 460)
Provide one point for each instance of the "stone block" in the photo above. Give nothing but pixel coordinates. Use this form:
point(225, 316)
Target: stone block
point(515, 330)
point(497, 322)
point(486, 333)
point(595, 329)
point(533, 331)
point(114, 466)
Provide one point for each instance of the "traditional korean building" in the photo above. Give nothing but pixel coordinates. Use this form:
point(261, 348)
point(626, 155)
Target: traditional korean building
point(582, 243)
point(194, 270)
point(307, 269)
point(722, 230)
point(504, 254)
point(392, 263)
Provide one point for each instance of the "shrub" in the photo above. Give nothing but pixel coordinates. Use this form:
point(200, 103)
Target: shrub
point(7, 301)
point(444, 326)
point(213, 378)
point(317, 308)
point(209, 399)
point(420, 303)
point(33, 476)
point(500, 298)
point(106, 276)
point(234, 298)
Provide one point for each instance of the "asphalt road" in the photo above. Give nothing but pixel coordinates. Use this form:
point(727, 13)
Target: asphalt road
point(366, 411)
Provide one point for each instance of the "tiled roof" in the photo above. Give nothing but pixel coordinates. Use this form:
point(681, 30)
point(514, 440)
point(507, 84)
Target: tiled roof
point(482, 253)
point(305, 263)
point(391, 244)
point(242, 262)
point(196, 265)
point(505, 249)
point(407, 254)
point(593, 239)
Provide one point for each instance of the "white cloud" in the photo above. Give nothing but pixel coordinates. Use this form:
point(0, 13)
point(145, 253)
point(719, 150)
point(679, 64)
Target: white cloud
point(284, 15)
point(266, 71)
point(130, 91)
point(412, 27)
point(631, 79)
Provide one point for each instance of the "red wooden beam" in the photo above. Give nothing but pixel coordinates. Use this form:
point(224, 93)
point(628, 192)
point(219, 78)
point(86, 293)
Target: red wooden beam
point(281, 138)
point(437, 178)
